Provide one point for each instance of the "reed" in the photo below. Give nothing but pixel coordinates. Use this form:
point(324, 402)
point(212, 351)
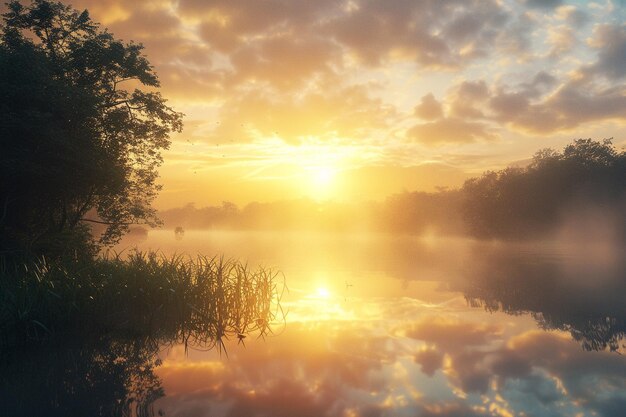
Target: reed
point(199, 301)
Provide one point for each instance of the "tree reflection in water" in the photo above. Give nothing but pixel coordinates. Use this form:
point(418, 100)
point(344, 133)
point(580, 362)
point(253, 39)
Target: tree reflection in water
point(105, 322)
point(587, 302)
point(103, 377)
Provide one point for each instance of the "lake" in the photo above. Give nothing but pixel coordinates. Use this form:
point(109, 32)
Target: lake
point(379, 325)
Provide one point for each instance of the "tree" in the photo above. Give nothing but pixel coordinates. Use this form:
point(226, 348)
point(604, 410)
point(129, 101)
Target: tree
point(82, 127)
point(530, 201)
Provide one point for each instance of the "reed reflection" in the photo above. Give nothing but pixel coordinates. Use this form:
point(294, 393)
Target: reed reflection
point(82, 339)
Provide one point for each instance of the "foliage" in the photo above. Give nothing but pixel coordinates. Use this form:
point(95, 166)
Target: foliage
point(198, 302)
point(525, 202)
point(82, 338)
point(82, 127)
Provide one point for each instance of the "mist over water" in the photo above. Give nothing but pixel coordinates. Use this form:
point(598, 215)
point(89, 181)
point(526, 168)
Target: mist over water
point(381, 324)
point(595, 238)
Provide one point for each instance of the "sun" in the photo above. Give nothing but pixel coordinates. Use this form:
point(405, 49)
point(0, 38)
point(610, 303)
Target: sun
point(322, 181)
point(323, 175)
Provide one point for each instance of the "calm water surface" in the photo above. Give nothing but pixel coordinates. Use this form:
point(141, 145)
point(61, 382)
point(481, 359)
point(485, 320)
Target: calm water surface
point(404, 326)
point(391, 326)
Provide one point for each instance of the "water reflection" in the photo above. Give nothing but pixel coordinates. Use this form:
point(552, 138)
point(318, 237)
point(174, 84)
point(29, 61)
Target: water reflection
point(586, 301)
point(375, 327)
point(403, 340)
point(415, 359)
point(101, 377)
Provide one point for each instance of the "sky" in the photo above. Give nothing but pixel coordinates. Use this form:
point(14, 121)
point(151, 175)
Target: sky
point(357, 100)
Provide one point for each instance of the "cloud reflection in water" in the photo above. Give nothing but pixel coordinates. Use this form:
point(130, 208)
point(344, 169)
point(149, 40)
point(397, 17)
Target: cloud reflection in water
point(408, 359)
point(400, 326)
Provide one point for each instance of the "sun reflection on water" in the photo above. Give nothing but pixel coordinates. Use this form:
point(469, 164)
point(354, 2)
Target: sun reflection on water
point(381, 330)
point(320, 304)
point(323, 293)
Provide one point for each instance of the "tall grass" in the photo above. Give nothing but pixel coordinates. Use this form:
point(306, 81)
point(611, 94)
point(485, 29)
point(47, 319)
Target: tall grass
point(199, 302)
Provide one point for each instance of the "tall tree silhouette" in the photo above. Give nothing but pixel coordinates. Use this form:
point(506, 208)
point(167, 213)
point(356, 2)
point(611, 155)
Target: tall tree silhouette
point(82, 128)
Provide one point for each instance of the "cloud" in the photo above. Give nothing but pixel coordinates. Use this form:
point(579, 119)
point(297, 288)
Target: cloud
point(464, 99)
point(578, 371)
point(541, 84)
point(559, 354)
point(570, 106)
point(475, 361)
point(373, 32)
point(302, 374)
point(246, 18)
point(432, 34)
point(272, 42)
point(538, 106)
point(544, 4)
point(514, 42)
point(451, 130)
point(474, 72)
point(508, 105)
point(451, 334)
point(286, 50)
point(282, 61)
point(355, 368)
point(207, 50)
point(509, 364)
point(145, 25)
point(538, 389)
point(345, 113)
point(572, 15)
point(281, 69)
point(186, 67)
point(429, 108)
point(562, 39)
point(610, 41)
point(453, 409)
point(430, 359)
point(612, 407)
point(548, 367)
point(469, 372)
point(282, 399)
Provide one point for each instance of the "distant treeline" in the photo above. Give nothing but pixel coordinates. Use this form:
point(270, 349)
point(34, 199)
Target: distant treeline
point(413, 213)
point(586, 178)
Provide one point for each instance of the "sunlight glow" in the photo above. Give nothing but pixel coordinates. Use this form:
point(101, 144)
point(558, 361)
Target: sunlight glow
point(322, 181)
point(323, 292)
point(323, 176)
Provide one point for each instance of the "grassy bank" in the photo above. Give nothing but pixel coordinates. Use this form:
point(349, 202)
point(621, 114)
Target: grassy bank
point(199, 302)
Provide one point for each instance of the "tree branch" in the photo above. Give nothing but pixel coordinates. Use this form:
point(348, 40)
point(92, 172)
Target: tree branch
point(116, 103)
point(106, 223)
